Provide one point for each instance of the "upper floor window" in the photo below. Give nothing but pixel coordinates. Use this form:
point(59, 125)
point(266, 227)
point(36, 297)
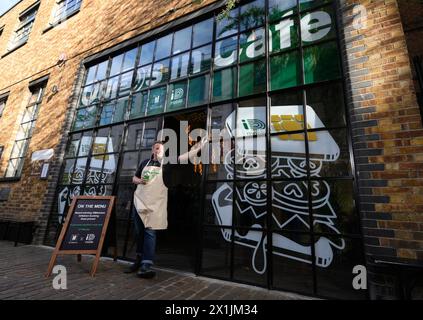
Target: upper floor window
point(2, 105)
point(1, 151)
point(26, 22)
point(24, 135)
point(64, 9)
point(1, 30)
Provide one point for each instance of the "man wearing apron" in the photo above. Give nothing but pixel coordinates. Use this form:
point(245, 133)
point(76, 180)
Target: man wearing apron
point(150, 206)
point(150, 210)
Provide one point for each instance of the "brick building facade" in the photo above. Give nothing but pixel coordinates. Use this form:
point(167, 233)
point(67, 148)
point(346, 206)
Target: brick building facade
point(379, 45)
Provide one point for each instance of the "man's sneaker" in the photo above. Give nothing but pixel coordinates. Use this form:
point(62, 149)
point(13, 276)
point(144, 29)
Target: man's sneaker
point(145, 271)
point(135, 266)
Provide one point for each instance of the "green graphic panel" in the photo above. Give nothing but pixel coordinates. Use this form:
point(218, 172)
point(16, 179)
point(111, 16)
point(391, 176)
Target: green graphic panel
point(321, 63)
point(252, 78)
point(177, 96)
point(198, 91)
point(156, 101)
point(285, 70)
point(224, 84)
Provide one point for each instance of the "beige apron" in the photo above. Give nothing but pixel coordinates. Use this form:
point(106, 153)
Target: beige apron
point(150, 199)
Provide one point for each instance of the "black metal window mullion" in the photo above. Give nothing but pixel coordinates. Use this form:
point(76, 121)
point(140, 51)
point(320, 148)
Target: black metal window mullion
point(309, 186)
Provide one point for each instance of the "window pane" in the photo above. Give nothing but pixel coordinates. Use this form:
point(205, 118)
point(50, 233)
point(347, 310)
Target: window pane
point(107, 113)
point(130, 57)
point(102, 70)
point(91, 74)
point(285, 70)
point(203, 32)
point(329, 153)
point(317, 25)
point(280, 8)
point(160, 73)
point(228, 25)
point(321, 62)
point(182, 40)
point(139, 103)
point(100, 142)
point(156, 101)
point(290, 208)
point(224, 83)
point(307, 4)
point(121, 107)
point(328, 104)
point(116, 65)
point(249, 257)
point(180, 66)
point(85, 146)
point(335, 265)
point(333, 207)
point(284, 35)
point(226, 52)
point(163, 48)
point(252, 45)
point(73, 146)
point(68, 170)
point(292, 269)
point(116, 134)
point(252, 78)
point(112, 88)
point(199, 90)
point(200, 59)
point(79, 173)
point(143, 78)
point(147, 52)
point(135, 132)
point(250, 155)
point(125, 83)
point(177, 96)
point(216, 253)
point(252, 15)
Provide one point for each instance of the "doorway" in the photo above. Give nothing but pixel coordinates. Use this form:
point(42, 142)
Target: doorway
point(177, 246)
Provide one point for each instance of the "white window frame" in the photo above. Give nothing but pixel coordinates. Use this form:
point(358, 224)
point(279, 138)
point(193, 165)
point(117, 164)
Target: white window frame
point(26, 23)
point(64, 9)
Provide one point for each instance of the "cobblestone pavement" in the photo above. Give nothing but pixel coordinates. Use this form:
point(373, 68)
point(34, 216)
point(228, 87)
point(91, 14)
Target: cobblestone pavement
point(22, 271)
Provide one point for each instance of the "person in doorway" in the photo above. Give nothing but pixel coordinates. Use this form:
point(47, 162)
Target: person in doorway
point(150, 207)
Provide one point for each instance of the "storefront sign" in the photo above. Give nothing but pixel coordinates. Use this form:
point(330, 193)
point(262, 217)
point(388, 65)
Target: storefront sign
point(85, 228)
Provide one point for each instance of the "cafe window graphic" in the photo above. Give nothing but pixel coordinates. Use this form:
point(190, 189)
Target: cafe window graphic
point(288, 161)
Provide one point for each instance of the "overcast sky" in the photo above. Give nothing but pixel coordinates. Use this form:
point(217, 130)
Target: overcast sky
point(6, 4)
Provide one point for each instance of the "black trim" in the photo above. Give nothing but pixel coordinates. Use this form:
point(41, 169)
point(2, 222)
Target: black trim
point(52, 25)
point(30, 8)
point(155, 32)
point(5, 95)
point(39, 81)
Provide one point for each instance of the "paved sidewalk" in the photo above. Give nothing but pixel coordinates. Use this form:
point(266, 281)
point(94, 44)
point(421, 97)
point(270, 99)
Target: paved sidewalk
point(22, 272)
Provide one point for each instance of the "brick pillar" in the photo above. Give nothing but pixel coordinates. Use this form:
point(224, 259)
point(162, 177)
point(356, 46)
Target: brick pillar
point(59, 153)
point(387, 134)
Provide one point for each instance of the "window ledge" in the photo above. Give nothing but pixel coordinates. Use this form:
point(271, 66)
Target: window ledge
point(14, 49)
point(52, 25)
point(7, 180)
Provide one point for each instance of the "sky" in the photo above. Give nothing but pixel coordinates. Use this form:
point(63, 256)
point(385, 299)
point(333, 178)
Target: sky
point(6, 4)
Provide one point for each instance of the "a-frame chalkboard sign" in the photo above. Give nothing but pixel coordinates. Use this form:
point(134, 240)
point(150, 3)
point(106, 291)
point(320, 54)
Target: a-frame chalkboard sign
point(85, 229)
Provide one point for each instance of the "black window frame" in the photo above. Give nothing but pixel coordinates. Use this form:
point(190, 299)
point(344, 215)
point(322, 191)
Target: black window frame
point(235, 101)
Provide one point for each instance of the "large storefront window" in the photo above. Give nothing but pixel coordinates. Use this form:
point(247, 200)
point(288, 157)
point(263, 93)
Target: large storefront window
point(279, 207)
